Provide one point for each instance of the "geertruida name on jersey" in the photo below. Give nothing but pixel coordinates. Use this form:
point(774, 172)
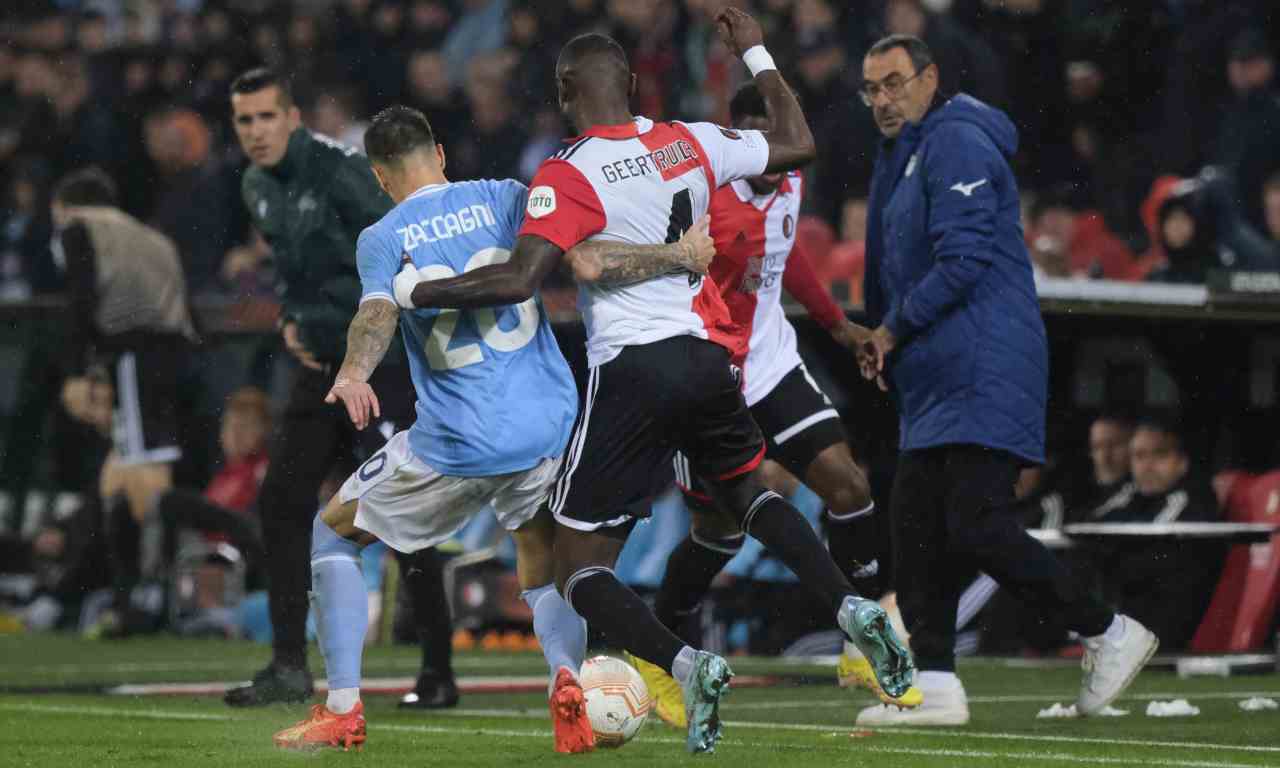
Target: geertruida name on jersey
point(675, 158)
point(447, 225)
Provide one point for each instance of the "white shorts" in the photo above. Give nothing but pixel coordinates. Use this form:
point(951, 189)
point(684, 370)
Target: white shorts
point(410, 506)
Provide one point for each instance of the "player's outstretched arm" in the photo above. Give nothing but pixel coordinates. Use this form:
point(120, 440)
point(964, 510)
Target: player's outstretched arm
point(510, 282)
point(609, 263)
point(368, 337)
point(791, 142)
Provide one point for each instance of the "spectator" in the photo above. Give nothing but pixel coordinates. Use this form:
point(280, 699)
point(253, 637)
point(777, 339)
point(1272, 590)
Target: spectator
point(131, 317)
point(480, 30)
point(490, 148)
point(1248, 145)
point(429, 90)
point(333, 115)
point(1271, 208)
point(1109, 453)
point(1065, 242)
point(1164, 583)
point(226, 508)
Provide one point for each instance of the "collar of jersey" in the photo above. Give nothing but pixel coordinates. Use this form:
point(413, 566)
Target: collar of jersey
point(629, 130)
point(427, 190)
point(747, 194)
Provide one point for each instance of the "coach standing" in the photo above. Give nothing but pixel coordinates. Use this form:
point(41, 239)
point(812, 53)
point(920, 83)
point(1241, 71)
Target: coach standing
point(961, 346)
point(311, 197)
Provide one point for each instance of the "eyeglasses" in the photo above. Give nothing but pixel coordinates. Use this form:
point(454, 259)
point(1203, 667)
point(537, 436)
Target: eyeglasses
point(894, 86)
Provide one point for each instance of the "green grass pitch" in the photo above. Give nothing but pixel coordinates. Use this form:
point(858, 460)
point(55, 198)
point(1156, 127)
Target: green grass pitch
point(41, 724)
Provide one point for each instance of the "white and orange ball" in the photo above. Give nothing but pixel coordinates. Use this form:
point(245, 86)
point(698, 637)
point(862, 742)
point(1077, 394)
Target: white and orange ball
point(617, 699)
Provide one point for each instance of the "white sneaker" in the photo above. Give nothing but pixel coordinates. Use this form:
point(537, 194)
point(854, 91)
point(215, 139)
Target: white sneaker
point(945, 703)
point(1110, 664)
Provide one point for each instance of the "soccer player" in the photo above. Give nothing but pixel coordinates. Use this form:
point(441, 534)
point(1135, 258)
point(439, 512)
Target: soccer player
point(753, 221)
point(659, 352)
point(496, 402)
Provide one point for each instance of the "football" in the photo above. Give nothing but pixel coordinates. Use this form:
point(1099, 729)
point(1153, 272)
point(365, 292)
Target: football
point(617, 699)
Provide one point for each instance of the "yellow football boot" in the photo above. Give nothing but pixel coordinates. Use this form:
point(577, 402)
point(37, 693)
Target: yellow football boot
point(856, 673)
point(667, 696)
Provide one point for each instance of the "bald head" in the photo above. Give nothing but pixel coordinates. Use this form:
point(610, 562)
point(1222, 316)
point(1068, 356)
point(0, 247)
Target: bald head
point(594, 80)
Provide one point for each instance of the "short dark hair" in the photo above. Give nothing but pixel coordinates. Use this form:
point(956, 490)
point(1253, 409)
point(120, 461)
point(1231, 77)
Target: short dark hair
point(747, 102)
point(87, 186)
point(395, 132)
point(258, 78)
point(596, 44)
point(916, 49)
point(1167, 424)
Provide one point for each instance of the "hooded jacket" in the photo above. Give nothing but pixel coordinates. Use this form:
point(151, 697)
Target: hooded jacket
point(948, 273)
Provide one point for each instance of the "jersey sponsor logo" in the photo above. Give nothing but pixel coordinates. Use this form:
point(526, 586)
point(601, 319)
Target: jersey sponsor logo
point(731, 134)
point(542, 202)
point(446, 226)
point(670, 160)
point(788, 225)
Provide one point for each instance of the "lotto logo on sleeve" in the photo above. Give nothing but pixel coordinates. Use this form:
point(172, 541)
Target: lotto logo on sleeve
point(542, 202)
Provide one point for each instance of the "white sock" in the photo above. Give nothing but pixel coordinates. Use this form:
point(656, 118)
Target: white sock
point(937, 680)
point(342, 700)
point(682, 667)
point(1115, 632)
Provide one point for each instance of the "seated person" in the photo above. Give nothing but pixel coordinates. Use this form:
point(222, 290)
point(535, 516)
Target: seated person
point(1165, 584)
point(225, 511)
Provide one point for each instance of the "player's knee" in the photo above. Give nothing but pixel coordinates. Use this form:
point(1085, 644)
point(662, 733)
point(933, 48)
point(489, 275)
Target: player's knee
point(713, 524)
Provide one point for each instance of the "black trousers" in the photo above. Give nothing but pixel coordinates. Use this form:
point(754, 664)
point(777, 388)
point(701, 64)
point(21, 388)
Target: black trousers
point(952, 513)
point(311, 439)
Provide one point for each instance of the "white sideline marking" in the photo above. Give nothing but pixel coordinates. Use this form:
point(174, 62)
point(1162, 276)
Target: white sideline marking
point(967, 754)
point(153, 714)
point(1028, 698)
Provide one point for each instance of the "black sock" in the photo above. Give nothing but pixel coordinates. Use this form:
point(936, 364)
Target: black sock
point(424, 578)
point(624, 618)
point(789, 537)
point(690, 569)
point(854, 542)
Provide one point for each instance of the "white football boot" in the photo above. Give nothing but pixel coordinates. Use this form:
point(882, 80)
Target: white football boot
point(945, 703)
point(1111, 661)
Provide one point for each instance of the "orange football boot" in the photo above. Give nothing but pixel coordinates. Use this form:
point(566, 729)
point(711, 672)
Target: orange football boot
point(326, 729)
point(569, 715)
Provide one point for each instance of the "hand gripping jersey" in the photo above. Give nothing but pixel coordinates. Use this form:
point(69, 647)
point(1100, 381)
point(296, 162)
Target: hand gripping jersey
point(645, 183)
point(754, 235)
point(495, 395)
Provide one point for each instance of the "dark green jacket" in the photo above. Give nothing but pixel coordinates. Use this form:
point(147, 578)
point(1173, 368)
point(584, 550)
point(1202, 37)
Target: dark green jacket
point(311, 208)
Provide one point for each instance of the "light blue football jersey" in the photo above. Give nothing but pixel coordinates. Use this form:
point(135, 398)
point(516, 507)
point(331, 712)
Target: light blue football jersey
point(494, 392)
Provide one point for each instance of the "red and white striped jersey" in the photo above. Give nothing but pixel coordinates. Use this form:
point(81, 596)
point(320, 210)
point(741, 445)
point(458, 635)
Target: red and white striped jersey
point(754, 235)
point(643, 183)
point(756, 257)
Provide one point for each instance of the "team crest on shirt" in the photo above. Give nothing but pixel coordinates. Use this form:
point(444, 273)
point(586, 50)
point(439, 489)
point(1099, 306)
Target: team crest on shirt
point(542, 202)
point(788, 225)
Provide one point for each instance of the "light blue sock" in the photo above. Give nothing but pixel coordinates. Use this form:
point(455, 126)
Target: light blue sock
point(561, 631)
point(342, 607)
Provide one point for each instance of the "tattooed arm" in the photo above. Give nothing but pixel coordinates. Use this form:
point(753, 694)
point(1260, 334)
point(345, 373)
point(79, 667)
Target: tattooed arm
point(610, 263)
point(368, 337)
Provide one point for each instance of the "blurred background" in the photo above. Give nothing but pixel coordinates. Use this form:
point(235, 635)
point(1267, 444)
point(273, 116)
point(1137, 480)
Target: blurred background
point(1149, 164)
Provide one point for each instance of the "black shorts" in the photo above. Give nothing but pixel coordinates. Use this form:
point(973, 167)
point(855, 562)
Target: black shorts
point(637, 410)
point(144, 369)
point(799, 422)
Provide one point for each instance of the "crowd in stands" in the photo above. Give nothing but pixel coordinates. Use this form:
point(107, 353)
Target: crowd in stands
point(1150, 131)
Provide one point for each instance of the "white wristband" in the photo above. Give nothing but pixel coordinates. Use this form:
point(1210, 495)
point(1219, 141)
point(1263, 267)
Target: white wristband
point(758, 60)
